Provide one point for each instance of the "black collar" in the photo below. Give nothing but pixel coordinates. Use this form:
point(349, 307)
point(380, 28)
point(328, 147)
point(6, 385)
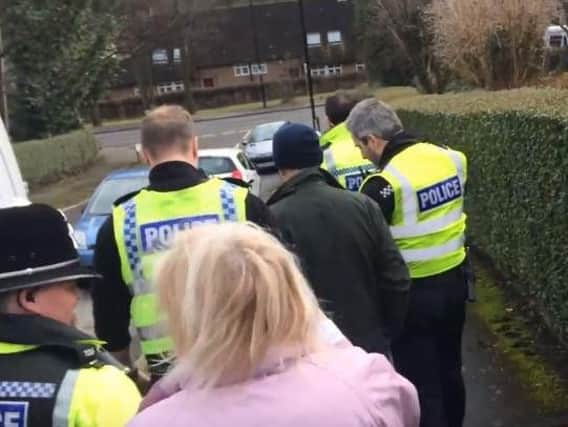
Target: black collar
point(305, 177)
point(396, 145)
point(174, 176)
point(45, 332)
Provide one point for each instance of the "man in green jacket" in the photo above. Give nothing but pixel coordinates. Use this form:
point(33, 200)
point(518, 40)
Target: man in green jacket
point(341, 158)
point(343, 243)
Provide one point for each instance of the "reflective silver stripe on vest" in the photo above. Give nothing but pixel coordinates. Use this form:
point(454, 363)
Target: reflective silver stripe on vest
point(63, 399)
point(426, 227)
point(153, 332)
point(433, 252)
point(330, 162)
point(460, 167)
point(142, 287)
point(409, 199)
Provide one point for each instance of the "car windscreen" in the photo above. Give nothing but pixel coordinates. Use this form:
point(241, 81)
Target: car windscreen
point(265, 132)
point(216, 165)
point(112, 190)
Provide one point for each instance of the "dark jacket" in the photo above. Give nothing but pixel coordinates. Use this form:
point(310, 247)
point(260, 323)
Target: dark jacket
point(32, 379)
point(347, 254)
point(111, 296)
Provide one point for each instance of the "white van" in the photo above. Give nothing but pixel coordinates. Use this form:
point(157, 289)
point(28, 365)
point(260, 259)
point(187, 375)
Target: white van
point(556, 37)
point(13, 189)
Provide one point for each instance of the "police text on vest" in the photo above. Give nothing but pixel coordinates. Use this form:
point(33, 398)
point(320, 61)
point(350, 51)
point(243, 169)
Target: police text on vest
point(157, 236)
point(439, 194)
point(13, 414)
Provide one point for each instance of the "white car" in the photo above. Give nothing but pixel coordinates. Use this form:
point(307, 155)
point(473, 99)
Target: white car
point(257, 144)
point(13, 189)
point(229, 163)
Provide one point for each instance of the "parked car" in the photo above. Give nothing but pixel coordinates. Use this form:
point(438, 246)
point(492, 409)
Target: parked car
point(257, 144)
point(230, 163)
point(223, 163)
point(99, 207)
point(13, 189)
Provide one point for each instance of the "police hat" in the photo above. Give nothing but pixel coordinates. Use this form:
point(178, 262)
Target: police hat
point(36, 248)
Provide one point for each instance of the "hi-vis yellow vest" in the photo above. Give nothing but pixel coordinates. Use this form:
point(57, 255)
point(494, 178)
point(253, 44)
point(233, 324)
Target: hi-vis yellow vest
point(146, 224)
point(428, 222)
point(343, 159)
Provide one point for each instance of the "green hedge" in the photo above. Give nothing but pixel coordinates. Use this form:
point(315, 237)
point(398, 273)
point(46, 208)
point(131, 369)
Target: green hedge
point(518, 189)
point(48, 160)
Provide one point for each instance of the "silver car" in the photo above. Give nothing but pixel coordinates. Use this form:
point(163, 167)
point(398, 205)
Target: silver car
point(257, 144)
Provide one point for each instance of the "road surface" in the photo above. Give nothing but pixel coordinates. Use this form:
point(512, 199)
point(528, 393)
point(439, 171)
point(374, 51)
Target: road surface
point(219, 133)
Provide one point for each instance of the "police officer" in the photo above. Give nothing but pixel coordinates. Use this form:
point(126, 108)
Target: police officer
point(420, 188)
point(51, 374)
point(179, 197)
point(340, 157)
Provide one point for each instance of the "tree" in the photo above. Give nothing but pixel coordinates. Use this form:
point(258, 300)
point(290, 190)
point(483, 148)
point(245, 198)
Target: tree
point(385, 62)
point(155, 24)
point(61, 59)
point(501, 47)
point(403, 26)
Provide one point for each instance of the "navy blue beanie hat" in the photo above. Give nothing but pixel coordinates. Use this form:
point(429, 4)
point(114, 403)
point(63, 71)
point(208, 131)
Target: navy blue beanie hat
point(296, 146)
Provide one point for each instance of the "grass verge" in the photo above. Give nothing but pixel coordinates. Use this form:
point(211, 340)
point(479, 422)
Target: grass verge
point(74, 189)
point(518, 339)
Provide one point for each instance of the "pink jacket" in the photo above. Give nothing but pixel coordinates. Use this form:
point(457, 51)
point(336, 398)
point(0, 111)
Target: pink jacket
point(341, 387)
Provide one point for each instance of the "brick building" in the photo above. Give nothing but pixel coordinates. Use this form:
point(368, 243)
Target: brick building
point(240, 45)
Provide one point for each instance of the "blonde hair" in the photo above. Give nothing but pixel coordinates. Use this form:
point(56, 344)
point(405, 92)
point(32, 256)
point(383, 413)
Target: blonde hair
point(231, 293)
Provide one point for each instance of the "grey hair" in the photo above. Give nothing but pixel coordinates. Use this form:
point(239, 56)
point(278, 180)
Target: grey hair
point(373, 117)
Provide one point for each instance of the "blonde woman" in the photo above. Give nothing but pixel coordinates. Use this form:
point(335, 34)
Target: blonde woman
point(253, 347)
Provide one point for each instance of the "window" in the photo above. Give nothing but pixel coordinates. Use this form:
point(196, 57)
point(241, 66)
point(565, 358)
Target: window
point(111, 190)
point(177, 55)
point(334, 70)
point(314, 39)
point(327, 70)
point(245, 161)
point(557, 41)
point(265, 132)
point(216, 165)
point(334, 37)
point(170, 87)
point(241, 70)
point(160, 56)
point(208, 82)
point(318, 72)
point(259, 69)
point(360, 68)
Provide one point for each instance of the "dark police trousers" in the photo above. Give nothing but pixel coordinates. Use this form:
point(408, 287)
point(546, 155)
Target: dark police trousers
point(429, 350)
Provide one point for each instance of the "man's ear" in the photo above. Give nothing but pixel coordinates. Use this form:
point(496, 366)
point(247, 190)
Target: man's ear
point(195, 145)
point(147, 157)
point(27, 300)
